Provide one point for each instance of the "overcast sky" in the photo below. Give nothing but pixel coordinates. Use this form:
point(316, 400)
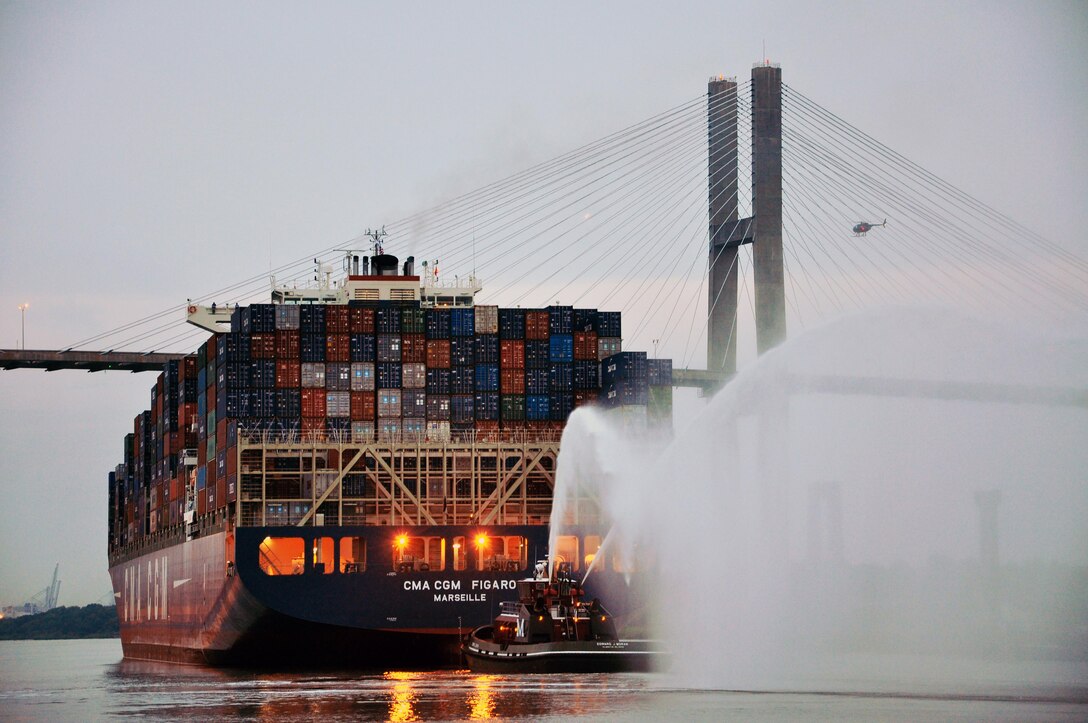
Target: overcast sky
point(151, 152)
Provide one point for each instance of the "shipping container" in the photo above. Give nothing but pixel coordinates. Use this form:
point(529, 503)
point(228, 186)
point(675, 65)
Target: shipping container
point(586, 375)
point(388, 348)
point(561, 378)
point(536, 407)
point(413, 320)
point(463, 322)
point(512, 354)
point(338, 404)
point(487, 406)
point(659, 372)
point(462, 350)
point(584, 397)
point(560, 406)
point(364, 348)
point(462, 408)
point(289, 404)
point(413, 403)
point(388, 375)
point(584, 320)
point(362, 377)
point(608, 324)
point(262, 346)
point(438, 407)
point(389, 403)
point(360, 320)
point(538, 354)
point(414, 376)
point(413, 348)
point(561, 348)
point(537, 381)
point(487, 377)
point(387, 320)
point(338, 347)
point(511, 381)
point(262, 373)
point(336, 319)
point(287, 317)
point(585, 346)
point(313, 403)
point(438, 431)
point(462, 380)
point(312, 347)
point(362, 431)
point(389, 429)
point(438, 353)
point(487, 320)
point(313, 375)
point(560, 320)
point(536, 324)
point(486, 349)
point(312, 319)
point(413, 429)
point(511, 323)
point(438, 324)
point(512, 408)
point(288, 345)
point(338, 377)
point(606, 347)
point(438, 381)
point(364, 405)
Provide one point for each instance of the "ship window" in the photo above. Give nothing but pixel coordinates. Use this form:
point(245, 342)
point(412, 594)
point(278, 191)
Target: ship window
point(282, 555)
point(418, 554)
point(497, 553)
point(323, 551)
point(567, 551)
point(459, 562)
point(592, 546)
point(352, 554)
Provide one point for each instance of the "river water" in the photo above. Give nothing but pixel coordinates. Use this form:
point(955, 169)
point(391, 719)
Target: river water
point(81, 680)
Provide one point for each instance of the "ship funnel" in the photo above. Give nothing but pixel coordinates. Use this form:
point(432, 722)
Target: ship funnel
point(409, 266)
point(385, 265)
point(366, 266)
point(355, 265)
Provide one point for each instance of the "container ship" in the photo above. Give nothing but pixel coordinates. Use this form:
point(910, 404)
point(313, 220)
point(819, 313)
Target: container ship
point(357, 473)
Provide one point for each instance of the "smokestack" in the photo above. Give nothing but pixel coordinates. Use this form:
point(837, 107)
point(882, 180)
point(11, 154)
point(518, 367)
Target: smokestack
point(410, 266)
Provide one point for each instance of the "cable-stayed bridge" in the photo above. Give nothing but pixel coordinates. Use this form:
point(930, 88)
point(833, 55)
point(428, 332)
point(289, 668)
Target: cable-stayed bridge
point(804, 217)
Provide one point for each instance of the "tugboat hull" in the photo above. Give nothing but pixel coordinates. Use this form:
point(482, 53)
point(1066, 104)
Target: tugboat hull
point(483, 655)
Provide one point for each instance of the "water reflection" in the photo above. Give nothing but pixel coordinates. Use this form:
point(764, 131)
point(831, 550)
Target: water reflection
point(402, 696)
point(482, 701)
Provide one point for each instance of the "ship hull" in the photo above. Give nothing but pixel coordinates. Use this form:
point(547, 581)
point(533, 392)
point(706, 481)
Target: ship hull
point(209, 601)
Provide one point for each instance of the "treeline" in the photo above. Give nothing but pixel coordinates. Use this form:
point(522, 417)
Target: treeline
point(90, 621)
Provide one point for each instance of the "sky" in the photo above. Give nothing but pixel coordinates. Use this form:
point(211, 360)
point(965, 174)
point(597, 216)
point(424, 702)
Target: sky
point(152, 152)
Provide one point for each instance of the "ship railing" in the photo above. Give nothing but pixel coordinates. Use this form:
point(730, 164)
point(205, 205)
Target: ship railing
point(296, 437)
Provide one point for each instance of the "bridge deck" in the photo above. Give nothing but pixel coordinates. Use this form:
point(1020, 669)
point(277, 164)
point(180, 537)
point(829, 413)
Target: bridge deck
point(91, 361)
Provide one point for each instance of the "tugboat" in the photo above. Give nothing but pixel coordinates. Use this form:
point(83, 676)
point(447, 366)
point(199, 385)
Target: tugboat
point(551, 629)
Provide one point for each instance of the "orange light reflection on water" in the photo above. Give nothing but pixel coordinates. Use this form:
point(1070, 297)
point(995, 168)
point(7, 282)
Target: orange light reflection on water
point(482, 701)
point(402, 696)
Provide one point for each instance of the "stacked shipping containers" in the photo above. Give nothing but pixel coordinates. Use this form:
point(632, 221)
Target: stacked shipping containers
point(377, 370)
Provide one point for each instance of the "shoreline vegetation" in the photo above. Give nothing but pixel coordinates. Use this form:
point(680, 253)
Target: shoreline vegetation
point(63, 623)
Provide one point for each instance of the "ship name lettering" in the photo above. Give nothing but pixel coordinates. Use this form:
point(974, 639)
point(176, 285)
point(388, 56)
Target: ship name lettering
point(494, 584)
point(417, 585)
point(460, 597)
point(447, 584)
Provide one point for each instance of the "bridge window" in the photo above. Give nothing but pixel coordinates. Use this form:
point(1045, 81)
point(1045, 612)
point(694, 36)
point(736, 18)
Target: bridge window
point(495, 553)
point(418, 554)
point(352, 554)
point(282, 555)
point(323, 551)
point(592, 546)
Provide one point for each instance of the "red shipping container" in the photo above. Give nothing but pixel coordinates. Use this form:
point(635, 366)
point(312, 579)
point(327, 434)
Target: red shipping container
point(438, 353)
point(175, 488)
point(360, 320)
point(363, 406)
point(585, 346)
point(337, 347)
point(313, 404)
point(536, 324)
point(512, 356)
point(287, 344)
point(581, 398)
point(221, 433)
point(487, 431)
point(337, 319)
point(202, 451)
point(413, 348)
point(187, 368)
point(262, 346)
point(313, 428)
point(220, 493)
point(512, 381)
point(288, 373)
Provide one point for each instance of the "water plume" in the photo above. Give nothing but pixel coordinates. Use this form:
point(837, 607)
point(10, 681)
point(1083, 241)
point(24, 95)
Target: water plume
point(788, 529)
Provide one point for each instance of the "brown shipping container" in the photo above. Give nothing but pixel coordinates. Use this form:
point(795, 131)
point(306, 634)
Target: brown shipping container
point(287, 344)
point(487, 431)
point(487, 320)
point(220, 493)
point(363, 406)
point(288, 373)
point(512, 381)
point(232, 461)
point(512, 355)
point(438, 353)
point(413, 376)
point(585, 346)
point(337, 346)
point(360, 320)
point(413, 348)
point(313, 403)
point(536, 325)
point(202, 502)
point(582, 398)
point(262, 346)
point(314, 428)
point(337, 319)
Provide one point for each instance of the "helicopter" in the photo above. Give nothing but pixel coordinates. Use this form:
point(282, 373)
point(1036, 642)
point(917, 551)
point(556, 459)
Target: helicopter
point(863, 227)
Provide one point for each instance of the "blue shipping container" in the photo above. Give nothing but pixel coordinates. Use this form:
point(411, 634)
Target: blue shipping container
point(536, 407)
point(562, 348)
point(462, 322)
point(487, 379)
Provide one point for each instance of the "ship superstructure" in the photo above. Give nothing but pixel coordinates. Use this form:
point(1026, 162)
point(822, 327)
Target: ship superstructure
point(357, 471)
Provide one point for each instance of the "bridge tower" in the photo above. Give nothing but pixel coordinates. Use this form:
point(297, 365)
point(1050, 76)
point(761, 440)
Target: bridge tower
point(728, 231)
